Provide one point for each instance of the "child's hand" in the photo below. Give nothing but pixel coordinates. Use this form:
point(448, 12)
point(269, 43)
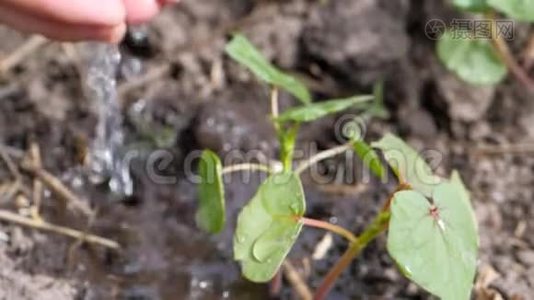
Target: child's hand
point(75, 20)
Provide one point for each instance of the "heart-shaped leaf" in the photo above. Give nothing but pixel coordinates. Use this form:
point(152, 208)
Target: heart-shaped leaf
point(211, 212)
point(268, 226)
point(407, 164)
point(242, 51)
point(521, 10)
point(474, 60)
point(435, 244)
point(472, 5)
point(318, 110)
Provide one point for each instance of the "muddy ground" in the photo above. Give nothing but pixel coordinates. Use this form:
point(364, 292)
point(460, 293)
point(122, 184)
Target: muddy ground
point(193, 97)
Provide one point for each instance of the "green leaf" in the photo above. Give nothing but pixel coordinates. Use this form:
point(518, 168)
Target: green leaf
point(268, 226)
point(472, 5)
point(241, 50)
point(370, 159)
point(408, 166)
point(438, 251)
point(474, 60)
point(318, 110)
point(521, 10)
point(211, 214)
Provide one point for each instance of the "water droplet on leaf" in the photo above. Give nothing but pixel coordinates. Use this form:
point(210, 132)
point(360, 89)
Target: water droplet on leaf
point(408, 270)
point(441, 224)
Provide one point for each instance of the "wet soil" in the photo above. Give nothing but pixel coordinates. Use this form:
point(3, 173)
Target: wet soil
point(202, 99)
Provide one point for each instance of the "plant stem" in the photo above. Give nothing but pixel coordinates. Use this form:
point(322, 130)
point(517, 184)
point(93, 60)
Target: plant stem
point(274, 103)
point(287, 145)
point(286, 154)
point(246, 167)
point(401, 187)
point(275, 109)
point(330, 227)
point(378, 225)
point(321, 156)
point(507, 57)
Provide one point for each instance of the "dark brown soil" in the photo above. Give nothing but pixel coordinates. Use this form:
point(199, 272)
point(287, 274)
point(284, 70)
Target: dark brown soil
point(204, 100)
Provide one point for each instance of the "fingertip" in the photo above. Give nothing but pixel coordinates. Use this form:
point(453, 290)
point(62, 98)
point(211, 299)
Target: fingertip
point(115, 34)
point(74, 12)
point(140, 11)
point(112, 35)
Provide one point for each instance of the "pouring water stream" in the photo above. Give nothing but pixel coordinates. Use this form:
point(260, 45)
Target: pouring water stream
point(101, 88)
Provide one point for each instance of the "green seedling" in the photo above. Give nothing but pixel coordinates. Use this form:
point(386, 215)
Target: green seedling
point(482, 61)
point(432, 232)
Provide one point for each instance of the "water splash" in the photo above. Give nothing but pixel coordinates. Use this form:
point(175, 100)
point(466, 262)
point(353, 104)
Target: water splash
point(101, 88)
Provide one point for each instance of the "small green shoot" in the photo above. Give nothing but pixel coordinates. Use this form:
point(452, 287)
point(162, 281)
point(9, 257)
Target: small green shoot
point(433, 242)
point(287, 145)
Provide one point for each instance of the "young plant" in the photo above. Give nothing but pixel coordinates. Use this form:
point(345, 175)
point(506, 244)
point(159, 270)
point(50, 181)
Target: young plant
point(482, 60)
point(432, 232)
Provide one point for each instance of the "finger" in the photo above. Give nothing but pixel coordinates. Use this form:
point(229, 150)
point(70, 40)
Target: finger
point(140, 11)
point(164, 2)
point(86, 12)
point(58, 30)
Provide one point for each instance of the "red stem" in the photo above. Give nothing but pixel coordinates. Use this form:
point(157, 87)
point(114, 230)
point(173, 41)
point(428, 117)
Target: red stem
point(335, 272)
point(379, 224)
point(330, 227)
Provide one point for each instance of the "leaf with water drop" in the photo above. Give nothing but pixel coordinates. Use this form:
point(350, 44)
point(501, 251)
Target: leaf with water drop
point(242, 51)
point(318, 110)
point(211, 212)
point(407, 164)
point(268, 226)
point(435, 244)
